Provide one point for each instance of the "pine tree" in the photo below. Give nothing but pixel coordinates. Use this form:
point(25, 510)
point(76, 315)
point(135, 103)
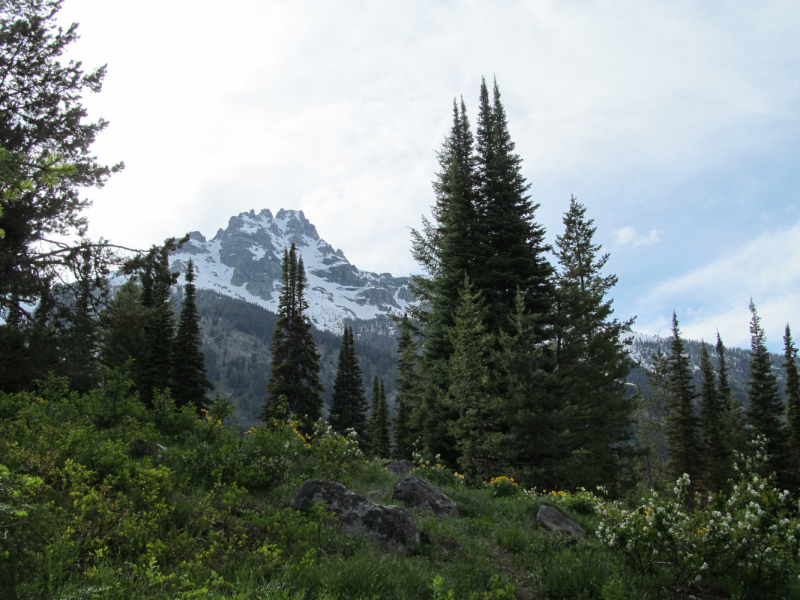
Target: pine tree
point(511, 246)
point(591, 358)
point(792, 387)
point(379, 441)
point(82, 336)
point(683, 441)
point(530, 444)
point(159, 325)
point(447, 251)
point(765, 410)
point(294, 356)
point(471, 394)
point(349, 405)
point(189, 370)
point(712, 410)
point(122, 334)
point(406, 426)
point(725, 391)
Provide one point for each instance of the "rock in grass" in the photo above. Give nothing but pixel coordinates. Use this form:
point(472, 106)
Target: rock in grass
point(555, 520)
point(392, 526)
point(418, 492)
point(400, 467)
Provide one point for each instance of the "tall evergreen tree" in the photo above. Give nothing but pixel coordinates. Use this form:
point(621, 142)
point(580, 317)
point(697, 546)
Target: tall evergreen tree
point(766, 410)
point(591, 358)
point(82, 336)
point(472, 395)
point(122, 334)
point(511, 245)
point(683, 440)
point(294, 356)
point(159, 325)
point(792, 387)
point(725, 391)
point(349, 405)
point(406, 425)
point(380, 444)
point(189, 369)
point(712, 409)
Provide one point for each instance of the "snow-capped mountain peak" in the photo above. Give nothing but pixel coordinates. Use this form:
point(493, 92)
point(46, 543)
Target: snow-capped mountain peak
point(244, 261)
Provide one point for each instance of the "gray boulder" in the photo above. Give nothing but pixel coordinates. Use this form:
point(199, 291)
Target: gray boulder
point(400, 467)
point(555, 520)
point(418, 492)
point(392, 526)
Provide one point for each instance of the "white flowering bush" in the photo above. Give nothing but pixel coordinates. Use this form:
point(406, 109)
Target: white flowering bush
point(335, 453)
point(752, 535)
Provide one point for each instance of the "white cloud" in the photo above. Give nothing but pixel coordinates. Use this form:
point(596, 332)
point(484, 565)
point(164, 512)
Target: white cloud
point(629, 236)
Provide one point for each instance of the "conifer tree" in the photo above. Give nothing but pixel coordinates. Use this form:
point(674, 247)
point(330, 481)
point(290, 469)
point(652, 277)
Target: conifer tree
point(590, 356)
point(406, 426)
point(683, 440)
point(122, 334)
point(511, 245)
point(725, 391)
point(765, 410)
point(349, 406)
point(189, 369)
point(792, 387)
point(82, 336)
point(379, 439)
point(712, 410)
point(294, 356)
point(531, 444)
point(733, 421)
point(159, 326)
point(472, 395)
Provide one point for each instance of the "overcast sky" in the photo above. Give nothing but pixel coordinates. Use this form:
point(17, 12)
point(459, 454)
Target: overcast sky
point(675, 123)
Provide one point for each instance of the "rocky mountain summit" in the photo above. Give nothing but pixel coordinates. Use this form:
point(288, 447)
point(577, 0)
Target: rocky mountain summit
point(244, 261)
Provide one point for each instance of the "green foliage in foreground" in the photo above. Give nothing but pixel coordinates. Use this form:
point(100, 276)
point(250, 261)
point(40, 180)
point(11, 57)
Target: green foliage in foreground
point(102, 498)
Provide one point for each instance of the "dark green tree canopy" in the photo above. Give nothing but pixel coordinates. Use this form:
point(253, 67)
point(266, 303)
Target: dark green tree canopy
point(349, 404)
point(295, 359)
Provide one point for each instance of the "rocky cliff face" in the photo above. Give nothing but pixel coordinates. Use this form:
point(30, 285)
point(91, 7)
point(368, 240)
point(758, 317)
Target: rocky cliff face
point(244, 261)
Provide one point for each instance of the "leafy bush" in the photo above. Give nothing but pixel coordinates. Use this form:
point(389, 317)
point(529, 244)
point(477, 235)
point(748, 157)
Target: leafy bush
point(689, 539)
point(503, 487)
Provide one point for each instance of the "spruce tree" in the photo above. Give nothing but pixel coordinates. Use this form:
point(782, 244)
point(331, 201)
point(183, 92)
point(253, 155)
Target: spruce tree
point(725, 391)
point(122, 334)
point(472, 395)
point(406, 426)
point(349, 405)
point(294, 355)
point(530, 444)
point(766, 410)
point(379, 439)
point(159, 325)
point(511, 245)
point(792, 387)
point(683, 440)
point(712, 410)
point(189, 369)
point(82, 336)
point(591, 358)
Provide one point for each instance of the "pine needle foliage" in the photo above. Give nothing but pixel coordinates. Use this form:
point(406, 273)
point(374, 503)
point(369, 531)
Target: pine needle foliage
point(408, 390)
point(349, 404)
point(792, 387)
point(683, 436)
point(190, 383)
point(379, 440)
point(294, 355)
point(472, 395)
point(712, 411)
